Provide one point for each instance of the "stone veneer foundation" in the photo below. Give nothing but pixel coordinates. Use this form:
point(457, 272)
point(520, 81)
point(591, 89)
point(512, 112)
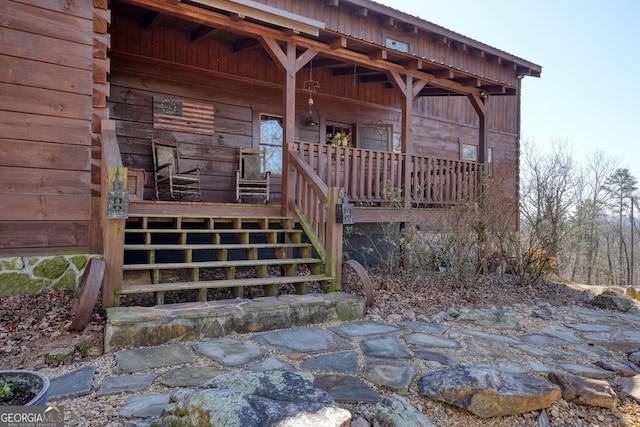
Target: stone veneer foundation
point(37, 274)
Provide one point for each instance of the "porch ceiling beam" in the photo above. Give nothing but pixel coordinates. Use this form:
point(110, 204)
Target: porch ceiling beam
point(205, 17)
point(268, 14)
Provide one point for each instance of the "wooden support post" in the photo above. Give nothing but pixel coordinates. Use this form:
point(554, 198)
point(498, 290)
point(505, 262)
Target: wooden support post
point(333, 241)
point(112, 228)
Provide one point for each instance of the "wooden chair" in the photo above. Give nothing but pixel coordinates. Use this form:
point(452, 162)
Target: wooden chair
point(252, 178)
point(169, 178)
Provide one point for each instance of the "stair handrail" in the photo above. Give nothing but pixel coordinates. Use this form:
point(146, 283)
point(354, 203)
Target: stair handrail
point(314, 205)
point(112, 228)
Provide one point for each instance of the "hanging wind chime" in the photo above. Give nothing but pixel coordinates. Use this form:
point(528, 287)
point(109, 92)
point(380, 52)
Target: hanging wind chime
point(310, 86)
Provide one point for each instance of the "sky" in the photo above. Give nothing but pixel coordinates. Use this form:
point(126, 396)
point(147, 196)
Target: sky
point(588, 94)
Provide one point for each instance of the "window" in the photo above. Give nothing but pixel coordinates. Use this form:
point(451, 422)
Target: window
point(490, 161)
point(333, 128)
point(470, 152)
point(397, 45)
point(271, 138)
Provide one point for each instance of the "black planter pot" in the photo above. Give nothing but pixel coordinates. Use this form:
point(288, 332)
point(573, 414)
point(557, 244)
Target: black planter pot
point(32, 381)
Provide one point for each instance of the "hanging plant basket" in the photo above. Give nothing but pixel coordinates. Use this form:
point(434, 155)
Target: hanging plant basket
point(23, 388)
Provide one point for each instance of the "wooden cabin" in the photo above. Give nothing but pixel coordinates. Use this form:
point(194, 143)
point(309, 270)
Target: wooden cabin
point(87, 86)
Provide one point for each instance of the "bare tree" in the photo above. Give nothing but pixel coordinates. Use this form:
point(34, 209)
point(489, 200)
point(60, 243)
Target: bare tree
point(590, 214)
point(549, 185)
point(621, 185)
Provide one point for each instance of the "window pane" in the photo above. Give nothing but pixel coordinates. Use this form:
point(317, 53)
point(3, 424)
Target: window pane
point(271, 137)
point(469, 152)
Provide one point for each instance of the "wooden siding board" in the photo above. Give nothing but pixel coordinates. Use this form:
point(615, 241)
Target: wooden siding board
point(34, 207)
point(45, 49)
point(24, 72)
point(32, 237)
point(46, 22)
point(78, 9)
point(44, 101)
point(44, 181)
point(49, 156)
point(34, 127)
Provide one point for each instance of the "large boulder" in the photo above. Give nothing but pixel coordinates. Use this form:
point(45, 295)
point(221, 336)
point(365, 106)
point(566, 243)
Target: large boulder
point(488, 392)
point(239, 398)
point(613, 302)
point(585, 391)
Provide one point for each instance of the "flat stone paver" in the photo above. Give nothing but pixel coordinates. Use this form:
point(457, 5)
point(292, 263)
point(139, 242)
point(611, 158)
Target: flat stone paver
point(542, 340)
point(428, 340)
point(397, 376)
point(591, 327)
point(190, 376)
point(230, 352)
point(584, 371)
point(145, 406)
point(347, 388)
point(434, 356)
point(344, 361)
point(561, 332)
point(507, 339)
point(432, 328)
point(126, 384)
point(271, 364)
point(364, 328)
point(388, 348)
point(141, 359)
point(72, 384)
point(303, 340)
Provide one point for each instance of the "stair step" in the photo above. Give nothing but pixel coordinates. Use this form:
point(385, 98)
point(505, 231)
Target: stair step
point(220, 264)
point(236, 221)
point(178, 247)
point(227, 283)
point(212, 230)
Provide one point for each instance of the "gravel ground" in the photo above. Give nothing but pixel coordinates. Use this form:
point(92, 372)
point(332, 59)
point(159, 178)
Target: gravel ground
point(30, 326)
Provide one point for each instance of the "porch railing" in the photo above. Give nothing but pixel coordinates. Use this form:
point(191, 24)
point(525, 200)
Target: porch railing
point(314, 205)
point(378, 177)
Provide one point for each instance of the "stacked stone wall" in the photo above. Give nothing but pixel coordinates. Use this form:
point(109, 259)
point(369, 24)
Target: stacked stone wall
point(37, 274)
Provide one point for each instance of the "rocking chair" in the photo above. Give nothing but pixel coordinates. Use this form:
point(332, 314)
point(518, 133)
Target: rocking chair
point(252, 178)
point(169, 179)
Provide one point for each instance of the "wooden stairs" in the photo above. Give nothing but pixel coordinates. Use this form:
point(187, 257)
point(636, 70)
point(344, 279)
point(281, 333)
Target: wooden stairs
point(218, 252)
